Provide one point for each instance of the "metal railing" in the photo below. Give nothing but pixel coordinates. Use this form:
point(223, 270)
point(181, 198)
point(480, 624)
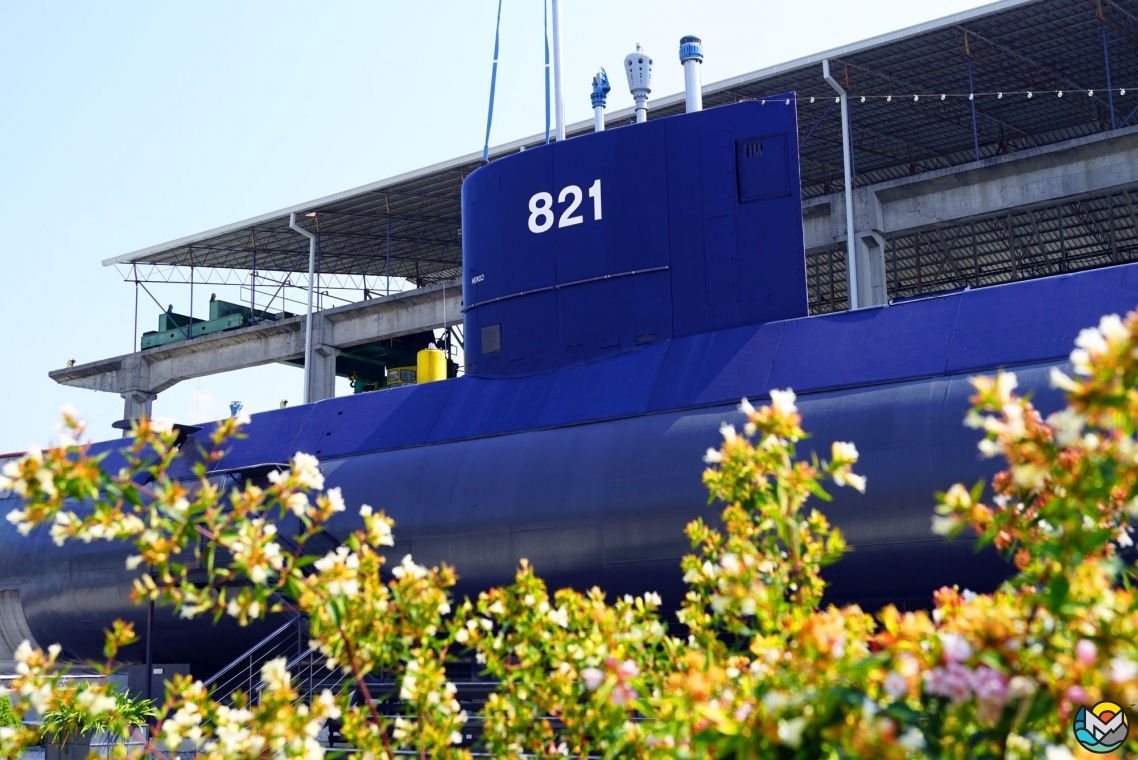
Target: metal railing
point(244, 672)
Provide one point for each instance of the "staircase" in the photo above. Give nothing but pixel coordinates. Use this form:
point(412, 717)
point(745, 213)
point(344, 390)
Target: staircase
point(244, 673)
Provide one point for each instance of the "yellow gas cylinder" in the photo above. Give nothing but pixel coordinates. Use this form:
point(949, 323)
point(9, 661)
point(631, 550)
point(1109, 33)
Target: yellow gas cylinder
point(431, 364)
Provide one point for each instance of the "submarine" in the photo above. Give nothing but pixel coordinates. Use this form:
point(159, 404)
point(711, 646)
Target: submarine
point(623, 290)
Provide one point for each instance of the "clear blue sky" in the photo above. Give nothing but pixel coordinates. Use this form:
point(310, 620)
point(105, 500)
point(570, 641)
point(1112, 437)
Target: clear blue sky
point(123, 125)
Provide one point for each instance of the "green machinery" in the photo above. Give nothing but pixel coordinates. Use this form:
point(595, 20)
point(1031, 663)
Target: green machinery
point(222, 316)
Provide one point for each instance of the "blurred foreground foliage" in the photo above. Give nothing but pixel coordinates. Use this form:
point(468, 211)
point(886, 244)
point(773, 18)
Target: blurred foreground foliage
point(763, 667)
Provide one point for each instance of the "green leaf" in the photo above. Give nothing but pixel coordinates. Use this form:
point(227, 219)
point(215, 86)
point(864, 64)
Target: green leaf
point(1057, 591)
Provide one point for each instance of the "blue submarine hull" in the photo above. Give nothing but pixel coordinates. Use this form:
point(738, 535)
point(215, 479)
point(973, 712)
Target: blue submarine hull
point(591, 472)
point(622, 292)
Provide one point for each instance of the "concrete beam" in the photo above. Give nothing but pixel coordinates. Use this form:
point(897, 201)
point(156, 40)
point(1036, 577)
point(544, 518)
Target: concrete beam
point(1040, 176)
point(140, 376)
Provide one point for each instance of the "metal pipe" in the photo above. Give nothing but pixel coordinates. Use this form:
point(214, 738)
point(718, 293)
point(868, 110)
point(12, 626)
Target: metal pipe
point(599, 98)
point(135, 346)
point(292, 225)
point(253, 290)
point(851, 244)
point(1109, 86)
point(149, 649)
point(493, 85)
point(972, 102)
point(558, 101)
point(691, 56)
point(545, 39)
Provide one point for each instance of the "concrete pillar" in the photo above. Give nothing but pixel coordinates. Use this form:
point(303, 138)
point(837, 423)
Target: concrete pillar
point(137, 405)
point(871, 287)
point(869, 225)
point(323, 376)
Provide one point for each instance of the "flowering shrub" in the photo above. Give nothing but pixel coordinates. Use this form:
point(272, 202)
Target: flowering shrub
point(759, 665)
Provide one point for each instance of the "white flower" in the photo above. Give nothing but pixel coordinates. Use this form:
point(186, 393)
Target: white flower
point(955, 647)
point(1068, 426)
point(729, 562)
point(728, 432)
point(895, 685)
point(18, 517)
point(95, 703)
point(1123, 670)
point(1020, 687)
point(1057, 752)
point(1082, 361)
point(306, 470)
point(1029, 476)
point(1061, 381)
point(298, 503)
point(942, 525)
point(378, 528)
point(783, 401)
point(713, 456)
point(988, 448)
point(746, 408)
point(1091, 341)
point(275, 674)
point(133, 561)
point(408, 568)
point(958, 497)
point(335, 499)
point(1112, 328)
point(1006, 382)
point(593, 678)
point(775, 700)
point(163, 425)
point(560, 616)
point(790, 732)
point(456, 738)
point(912, 740)
point(846, 477)
point(652, 599)
point(1124, 539)
point(242, 418)
point(844, 452)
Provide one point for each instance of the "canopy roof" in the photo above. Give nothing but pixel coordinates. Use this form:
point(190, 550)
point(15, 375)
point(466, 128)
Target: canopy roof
point(1010, 47)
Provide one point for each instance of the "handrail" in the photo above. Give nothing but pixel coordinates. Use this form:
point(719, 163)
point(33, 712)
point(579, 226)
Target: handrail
point(296, 660)
point(213, 679)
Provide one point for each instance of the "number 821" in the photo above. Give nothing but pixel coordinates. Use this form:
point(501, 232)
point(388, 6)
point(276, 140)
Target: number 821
point(541, 207)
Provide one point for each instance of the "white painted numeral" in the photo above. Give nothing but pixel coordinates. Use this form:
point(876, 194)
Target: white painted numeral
point(567, 219)
point(595, 194)
point(540, 206)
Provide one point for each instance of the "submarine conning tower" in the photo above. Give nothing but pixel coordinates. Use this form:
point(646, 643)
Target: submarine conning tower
point(580, 250)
